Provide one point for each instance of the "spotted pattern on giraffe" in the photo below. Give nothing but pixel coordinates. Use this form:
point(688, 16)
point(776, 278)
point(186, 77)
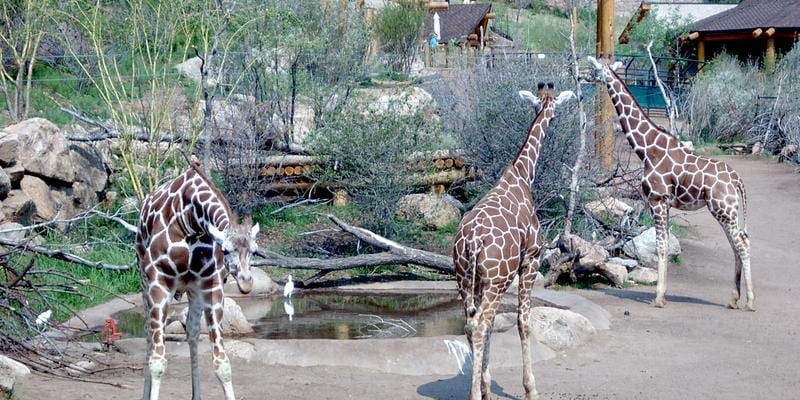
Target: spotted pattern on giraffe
point(188, 240)
point(675, 177)
point(498, 240)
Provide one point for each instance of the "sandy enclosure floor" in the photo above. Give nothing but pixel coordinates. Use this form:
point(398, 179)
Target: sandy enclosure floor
point(693, 349)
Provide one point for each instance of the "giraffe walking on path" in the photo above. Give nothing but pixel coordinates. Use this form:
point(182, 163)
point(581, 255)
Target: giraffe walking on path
point(674, 177)
point(187, 241)
point(498, 240)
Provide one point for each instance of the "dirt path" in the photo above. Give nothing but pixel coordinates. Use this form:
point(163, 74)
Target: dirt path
point(693, 349)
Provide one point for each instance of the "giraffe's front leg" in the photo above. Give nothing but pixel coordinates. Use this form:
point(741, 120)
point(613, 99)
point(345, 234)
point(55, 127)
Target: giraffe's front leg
point(157, 357)
point(661, 221)
point(192, 335)
point(222, 365)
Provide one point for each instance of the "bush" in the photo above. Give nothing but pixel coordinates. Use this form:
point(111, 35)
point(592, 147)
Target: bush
point(721, 104)
point(399, 30)
point(369, 152)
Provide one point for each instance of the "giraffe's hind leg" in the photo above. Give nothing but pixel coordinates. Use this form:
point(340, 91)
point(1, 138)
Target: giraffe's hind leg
point(740, 244)
point(192, 336)
point(527, 277)
point(480, 342)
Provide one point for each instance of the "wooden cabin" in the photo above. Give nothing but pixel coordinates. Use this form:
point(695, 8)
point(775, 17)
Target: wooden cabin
point(753, 30)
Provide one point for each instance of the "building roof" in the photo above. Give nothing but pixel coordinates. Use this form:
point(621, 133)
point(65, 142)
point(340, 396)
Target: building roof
point(458, 21)
point(664, 11)
point(752, 14)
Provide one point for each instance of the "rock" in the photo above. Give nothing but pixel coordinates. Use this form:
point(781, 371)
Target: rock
point(11, 371)
point(9, 147)
point(17, 235)
point(757, 148)
point(5, 183)
point(43, 149)
point(609, 206)
point(191, 69)
point(262, 284)
point(303, 122)
point(83, 196)
point(629, 264)
point(644, 276)
point(89, 166)
point(19, 206)
point(64, 203)
point(688, 145)
point(15, 173)
point(430, 211)
point(175, 328)
point(591, 255)
point(39, 192)
point(788, 152)
point(233, 321)
point(643, 248)
point(615, 273)
point(560, 329)
point(129, 205)
point(504, 321)
point(407, 102)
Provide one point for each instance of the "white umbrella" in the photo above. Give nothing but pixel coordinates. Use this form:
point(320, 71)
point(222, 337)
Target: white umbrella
point(437, 29)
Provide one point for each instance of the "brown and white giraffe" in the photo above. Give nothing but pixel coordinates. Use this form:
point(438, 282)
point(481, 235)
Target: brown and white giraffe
point(188, 240)
point(674, 177)
point(499, 239)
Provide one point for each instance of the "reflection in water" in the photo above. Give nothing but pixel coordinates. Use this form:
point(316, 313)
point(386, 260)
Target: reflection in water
point(460, 351)
point(288, 308)
point(338, 315)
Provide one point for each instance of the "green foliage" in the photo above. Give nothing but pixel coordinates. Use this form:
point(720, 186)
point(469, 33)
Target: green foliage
point(369, 150)
point(663, 32)
point(544, 28)
point(399, 29)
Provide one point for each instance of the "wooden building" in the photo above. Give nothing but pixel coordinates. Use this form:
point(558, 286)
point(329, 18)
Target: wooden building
point(753, 30)
point(665, 11)
point(461, 24)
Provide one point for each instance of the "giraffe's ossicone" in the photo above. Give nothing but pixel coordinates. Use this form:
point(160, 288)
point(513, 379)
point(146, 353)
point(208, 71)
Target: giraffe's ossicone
point(674, 176)
point(498, 240)
point(187, 242)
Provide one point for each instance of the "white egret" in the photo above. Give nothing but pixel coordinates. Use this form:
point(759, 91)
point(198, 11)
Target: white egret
point(288, 308)
point(288, 288)
point(43, 317)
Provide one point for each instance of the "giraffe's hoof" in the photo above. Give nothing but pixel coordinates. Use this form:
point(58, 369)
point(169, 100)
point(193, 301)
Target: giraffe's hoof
point(533, 395)
point(749, 306)
point(733, 304)
point(660, 302)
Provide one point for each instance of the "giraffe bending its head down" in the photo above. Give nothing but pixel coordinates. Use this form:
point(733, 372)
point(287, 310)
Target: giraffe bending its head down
point(188, 240)
point(674, 177)
point(498, 240)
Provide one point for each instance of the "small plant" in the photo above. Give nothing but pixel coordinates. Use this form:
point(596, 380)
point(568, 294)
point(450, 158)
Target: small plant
point(399, 29)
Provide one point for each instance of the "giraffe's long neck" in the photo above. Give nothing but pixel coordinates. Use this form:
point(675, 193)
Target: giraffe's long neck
point(524, 164)
point(642, 134)
point(208, 207)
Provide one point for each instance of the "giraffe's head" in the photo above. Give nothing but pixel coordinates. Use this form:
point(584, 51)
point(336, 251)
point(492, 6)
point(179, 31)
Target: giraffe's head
point(603, 68)
point(238, 244)
point(545, 95)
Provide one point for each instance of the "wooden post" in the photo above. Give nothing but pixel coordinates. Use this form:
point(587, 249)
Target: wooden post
point(771, 58)
point(604, 136)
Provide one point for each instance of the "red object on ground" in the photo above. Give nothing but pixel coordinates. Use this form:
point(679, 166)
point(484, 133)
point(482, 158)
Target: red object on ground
point(108, 334)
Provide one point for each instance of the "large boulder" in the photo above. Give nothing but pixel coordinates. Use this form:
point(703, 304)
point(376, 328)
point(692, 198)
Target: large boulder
point(15, 173)
point(406, 102)
point(643, 248)
point(89, 166)
point(43, 149)
point(560, 329)
point(262, 284)
point(591, 255)
point(644, 276)
point(19, 207)
point(9, 147)
point(616, 274)
point(609, 206)
point(191, 69)
point(5, 183)
point(12, 231)
point(430, 211)
point(39, 193)
point(11, 371)
point(233, 321)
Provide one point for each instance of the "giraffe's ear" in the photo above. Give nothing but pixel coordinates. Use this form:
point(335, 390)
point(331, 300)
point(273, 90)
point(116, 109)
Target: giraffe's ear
point(526, 95)
point(216, 234)
point(564, 96)
point(254, 231)
point(596, 64)
point(617, 65)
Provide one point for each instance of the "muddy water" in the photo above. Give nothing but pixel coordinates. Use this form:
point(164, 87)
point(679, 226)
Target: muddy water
point(341, 315)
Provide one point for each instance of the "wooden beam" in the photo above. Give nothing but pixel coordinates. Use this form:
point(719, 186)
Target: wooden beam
point(770, 32)
point(438, 6)
point(604, 136)
point(757, 32)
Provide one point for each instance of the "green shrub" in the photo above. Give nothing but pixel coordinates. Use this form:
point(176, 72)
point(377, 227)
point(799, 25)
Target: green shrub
point(399, 30)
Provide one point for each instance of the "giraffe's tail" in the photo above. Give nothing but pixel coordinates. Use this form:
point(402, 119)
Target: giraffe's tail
point(473, 247)
point(743, 196)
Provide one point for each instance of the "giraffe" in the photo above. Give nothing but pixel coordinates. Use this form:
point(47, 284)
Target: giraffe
point(499, 239)
point(187, 241)
point(675, 177)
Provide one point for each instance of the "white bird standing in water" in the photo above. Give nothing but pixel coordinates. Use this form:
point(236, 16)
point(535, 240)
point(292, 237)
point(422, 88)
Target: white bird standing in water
point(288, 288)
point(43, 317)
